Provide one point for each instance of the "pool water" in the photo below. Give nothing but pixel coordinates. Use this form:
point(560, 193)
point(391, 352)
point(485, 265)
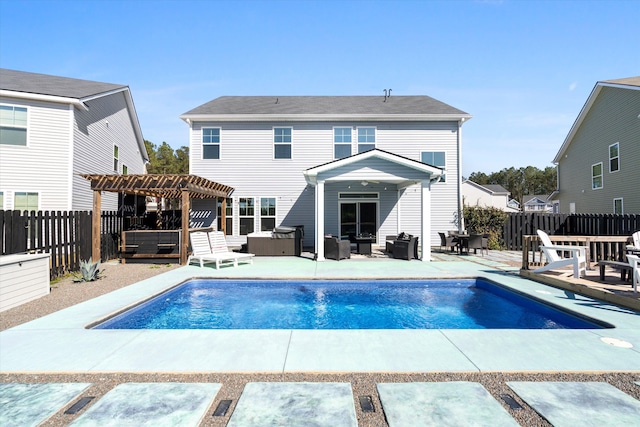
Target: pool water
point(357, 304)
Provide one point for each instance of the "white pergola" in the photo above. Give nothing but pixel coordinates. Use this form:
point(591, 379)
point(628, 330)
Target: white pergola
point(377, 166)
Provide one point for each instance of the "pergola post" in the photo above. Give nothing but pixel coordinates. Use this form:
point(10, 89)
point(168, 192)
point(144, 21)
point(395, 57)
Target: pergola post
point(223, 215)
point(95, 226)
point(184, 245)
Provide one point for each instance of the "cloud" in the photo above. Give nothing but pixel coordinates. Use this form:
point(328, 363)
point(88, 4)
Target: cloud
point(573, 85)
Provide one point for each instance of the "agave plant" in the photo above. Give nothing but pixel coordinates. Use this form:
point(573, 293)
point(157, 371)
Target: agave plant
point(89, 271)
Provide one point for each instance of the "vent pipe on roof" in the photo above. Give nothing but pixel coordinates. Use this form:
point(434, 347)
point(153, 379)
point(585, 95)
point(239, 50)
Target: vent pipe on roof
point(386, 95)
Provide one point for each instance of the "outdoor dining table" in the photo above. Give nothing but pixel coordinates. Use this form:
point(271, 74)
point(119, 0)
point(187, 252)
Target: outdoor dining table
point(461, 241)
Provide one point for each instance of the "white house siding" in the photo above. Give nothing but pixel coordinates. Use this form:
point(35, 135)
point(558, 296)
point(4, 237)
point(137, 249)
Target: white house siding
point(105, 124)
point(247, 164)
point(612, 118)
point(43, 165)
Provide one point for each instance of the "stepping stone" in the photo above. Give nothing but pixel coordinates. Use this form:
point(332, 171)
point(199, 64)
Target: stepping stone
point(441, 404)
point(579, 403)
point(151, 404)
point(295, 404)
point(31, 404)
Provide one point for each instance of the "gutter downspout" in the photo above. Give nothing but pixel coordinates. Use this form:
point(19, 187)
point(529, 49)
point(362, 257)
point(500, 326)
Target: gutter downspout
point(459, 177)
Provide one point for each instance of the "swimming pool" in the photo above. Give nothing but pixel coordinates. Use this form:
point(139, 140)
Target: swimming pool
point(353, 304)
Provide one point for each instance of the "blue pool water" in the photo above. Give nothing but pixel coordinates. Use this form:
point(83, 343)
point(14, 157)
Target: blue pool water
point(379, 304)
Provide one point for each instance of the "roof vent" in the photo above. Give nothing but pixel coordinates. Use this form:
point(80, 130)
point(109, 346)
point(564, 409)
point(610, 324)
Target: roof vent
point(386, 95)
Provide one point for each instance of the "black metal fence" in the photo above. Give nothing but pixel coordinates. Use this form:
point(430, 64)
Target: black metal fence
point(520, 224)
point(64, 235)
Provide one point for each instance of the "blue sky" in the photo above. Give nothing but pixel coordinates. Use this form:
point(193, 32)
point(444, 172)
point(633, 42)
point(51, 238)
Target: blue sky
point(523, 69)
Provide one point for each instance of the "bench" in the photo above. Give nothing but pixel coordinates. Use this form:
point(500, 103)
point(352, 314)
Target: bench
point(624, 267)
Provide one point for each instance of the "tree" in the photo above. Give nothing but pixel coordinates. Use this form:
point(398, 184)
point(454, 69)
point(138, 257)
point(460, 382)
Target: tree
point(520, 182)
point(163, 159)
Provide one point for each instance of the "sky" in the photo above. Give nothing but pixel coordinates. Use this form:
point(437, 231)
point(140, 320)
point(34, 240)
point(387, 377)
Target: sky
point(522, 69)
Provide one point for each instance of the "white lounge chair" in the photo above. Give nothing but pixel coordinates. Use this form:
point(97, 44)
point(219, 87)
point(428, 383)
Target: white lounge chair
point(634, 260)
point(203, 253)
point(219, 246)
point(553, 253)
point(635, 247)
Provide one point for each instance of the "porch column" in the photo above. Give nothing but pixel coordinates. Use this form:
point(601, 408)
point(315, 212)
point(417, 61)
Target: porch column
point(425, 212)
point(320, 221)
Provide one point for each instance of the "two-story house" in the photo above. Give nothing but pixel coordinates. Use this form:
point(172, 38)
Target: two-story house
point(340, 165)
point(599, 159)
point(52, 129)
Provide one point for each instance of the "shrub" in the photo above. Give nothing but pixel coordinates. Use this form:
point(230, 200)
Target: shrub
point(489, 220)
point(89, 271)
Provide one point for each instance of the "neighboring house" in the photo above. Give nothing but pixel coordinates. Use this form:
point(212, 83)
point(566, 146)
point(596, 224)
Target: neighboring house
point(340, 165)
point(54, 128)
point(539, 203)
point(487, 195)
point(598, 161)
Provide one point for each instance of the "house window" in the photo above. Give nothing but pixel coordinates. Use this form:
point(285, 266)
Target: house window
point(366, 139)
point(115, 158)
point(281, 143)
point(596, 176)
point(13, 125)
point(341, 142)
point(245, 213)
point(614, 157)
point(618, 206)
point(229, 216)
point(210, 143)
point(1, 200)
point(125, 170)
point(435, 158)
point(267, 213)
point(24, 201)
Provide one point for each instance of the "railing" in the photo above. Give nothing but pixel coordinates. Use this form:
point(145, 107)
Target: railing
point(598, 248)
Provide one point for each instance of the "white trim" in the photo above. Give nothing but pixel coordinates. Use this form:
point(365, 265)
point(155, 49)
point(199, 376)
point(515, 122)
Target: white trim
point(375, 137)
point(275, 216)
point(39, 193)
point(357, 202)
point(71, 158)
point(26, 127)
point(601, 176)
point(202, 144)
point(611, 158)
point(621, 205)
point(45, 98)
point(333, 140)
point(273, 142)
point(323, 117)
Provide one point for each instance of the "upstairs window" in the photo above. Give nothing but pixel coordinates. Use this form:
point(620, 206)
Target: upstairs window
point(210, 143)
point(116, 154)
point(281, 143)
point(614, 157)
point(435, 158)
point(1, 199)
point(596, 176)
point(341, 142)
point(267, 213)
point(13, 125)
point(366, 139)
point(125, 170)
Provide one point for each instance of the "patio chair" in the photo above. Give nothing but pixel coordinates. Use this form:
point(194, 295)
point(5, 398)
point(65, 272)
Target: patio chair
point(634, 260)
point(406, 248)
point(447, 241)
point(219, 247)
point(478, 241)
point(388, 243)
point(635, 247)
point(553, 253)
point(337, 249)
point(201, 251)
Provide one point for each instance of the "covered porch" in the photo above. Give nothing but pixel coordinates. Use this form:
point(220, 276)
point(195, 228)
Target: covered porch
point(360, 195)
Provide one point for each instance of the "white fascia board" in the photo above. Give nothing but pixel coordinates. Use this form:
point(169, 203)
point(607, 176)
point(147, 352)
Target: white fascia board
point(189, 118)
point(44, 98)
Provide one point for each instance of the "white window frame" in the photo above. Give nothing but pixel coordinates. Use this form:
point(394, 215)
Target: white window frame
point(275, 212)
point(25, 127)
point(342, 143)
point(375, 137)
point(621, 200)
point(116, 158)
point(593, 177)
point(219, 143)
point(27, 192)
point(125, 170)
point(241, 217)
point(1, 199)
point(443, 177)
point(617, 158)
point(282, 143)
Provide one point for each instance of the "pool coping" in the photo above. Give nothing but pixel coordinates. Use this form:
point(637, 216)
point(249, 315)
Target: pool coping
point(59, 342)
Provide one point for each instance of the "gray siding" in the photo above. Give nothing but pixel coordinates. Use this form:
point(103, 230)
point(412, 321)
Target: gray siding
point(247, 164)
point(107, 122)
point(612, 118)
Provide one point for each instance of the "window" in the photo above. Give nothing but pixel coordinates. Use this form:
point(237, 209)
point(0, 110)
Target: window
point(13, 125)
point(245, 211)
point(115, 158)
point(281, 143)
point(341, 142)
point(618, 206)
point(24, 201)
point(267, 213)
point(210, 143)
point(596, 176)
point(229, 216)
point(1, 200)
point(366, 139)
point(125, 170)
point(435, 158)
point(614, 157)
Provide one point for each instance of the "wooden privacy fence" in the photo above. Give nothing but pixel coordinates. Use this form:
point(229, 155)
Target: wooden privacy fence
point(66, 236)
point(519, 225)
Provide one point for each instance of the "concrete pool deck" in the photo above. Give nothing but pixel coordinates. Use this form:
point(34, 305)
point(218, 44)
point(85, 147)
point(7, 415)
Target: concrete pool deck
point(60, 342)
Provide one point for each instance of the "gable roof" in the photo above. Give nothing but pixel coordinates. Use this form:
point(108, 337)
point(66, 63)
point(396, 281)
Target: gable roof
point(324, 108)
point(535, 198)
point(488, 188)
point(629, 83)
